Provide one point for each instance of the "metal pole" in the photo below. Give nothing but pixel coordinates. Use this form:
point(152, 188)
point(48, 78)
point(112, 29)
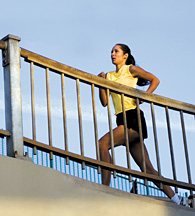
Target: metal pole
point(111, 131)
point(126, 134)
point(13, 101)
point(95, 126)
point(49, 115)
point(64, 116)
point(141, 140)
point(156, 142)
point(33, 105)
point(171, 146)
point(80, 121)
point(186, 150)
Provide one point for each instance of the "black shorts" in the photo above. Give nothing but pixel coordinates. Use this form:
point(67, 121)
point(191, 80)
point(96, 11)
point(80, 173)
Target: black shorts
point(132, 122)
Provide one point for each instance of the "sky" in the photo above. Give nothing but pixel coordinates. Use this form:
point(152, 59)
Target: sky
point(81, 34)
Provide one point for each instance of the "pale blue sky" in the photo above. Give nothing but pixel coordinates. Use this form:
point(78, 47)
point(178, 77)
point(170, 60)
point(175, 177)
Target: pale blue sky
point(81, 34)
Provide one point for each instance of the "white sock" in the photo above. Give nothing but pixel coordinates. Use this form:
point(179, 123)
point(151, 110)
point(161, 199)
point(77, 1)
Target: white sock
point(175, 199)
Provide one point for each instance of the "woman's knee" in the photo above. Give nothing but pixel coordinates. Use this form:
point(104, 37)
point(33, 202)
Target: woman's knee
point(149, 170)
point(103, 145)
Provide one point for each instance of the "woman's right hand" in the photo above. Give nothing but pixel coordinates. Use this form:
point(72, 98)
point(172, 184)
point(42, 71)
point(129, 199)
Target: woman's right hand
point(102, 92)
point(102, 74)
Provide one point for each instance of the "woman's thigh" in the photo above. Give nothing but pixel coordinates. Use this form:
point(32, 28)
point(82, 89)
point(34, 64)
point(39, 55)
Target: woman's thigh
point(135, 150)
point(119, 137)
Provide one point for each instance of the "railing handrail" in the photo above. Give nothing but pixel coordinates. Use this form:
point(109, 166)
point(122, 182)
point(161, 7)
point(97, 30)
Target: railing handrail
point(4, 133)
point(113, 86)
point(2, 44)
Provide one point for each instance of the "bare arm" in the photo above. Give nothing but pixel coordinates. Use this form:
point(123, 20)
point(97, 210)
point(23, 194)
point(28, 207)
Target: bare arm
point(102, 92)
point(139, 72)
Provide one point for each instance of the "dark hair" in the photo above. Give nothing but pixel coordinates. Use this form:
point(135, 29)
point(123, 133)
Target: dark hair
point(131, 60)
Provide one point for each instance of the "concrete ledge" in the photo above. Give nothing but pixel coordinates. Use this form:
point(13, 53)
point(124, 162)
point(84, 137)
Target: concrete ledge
point(29, 189)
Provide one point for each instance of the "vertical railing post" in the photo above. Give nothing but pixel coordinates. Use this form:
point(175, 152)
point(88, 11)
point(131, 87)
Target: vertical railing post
point(13, 101)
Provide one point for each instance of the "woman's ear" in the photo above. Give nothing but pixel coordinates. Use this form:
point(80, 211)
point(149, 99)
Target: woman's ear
point(126, 55)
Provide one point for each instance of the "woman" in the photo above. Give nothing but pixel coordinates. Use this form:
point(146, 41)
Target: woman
point(128, 74)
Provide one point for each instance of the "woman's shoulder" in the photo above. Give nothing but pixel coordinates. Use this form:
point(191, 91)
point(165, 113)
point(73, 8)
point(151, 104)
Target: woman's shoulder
point(128, 69)
point(109, 74)
point(133, 69)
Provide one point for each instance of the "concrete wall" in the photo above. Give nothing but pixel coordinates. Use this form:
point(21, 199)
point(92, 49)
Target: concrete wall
point(29, 189)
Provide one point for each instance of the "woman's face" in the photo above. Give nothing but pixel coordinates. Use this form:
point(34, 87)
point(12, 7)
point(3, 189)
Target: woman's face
point(117, 55)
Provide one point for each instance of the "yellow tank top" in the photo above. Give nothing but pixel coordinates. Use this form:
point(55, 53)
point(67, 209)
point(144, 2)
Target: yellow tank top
point(123, 76)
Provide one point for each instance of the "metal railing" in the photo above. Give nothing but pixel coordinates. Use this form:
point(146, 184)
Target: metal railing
point(121, 182)
point(10, 48)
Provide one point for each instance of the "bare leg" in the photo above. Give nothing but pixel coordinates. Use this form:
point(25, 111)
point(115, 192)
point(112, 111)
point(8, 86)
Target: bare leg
point(104, 145)
point(135, 149)
point(106, 174)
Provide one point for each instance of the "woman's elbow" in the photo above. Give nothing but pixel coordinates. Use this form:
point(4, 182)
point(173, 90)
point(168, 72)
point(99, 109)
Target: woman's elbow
point(157, 81)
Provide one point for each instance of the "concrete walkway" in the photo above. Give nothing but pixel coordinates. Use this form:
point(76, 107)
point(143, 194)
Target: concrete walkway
point(29, 189)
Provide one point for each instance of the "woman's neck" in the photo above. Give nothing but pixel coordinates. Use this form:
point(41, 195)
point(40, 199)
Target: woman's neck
point(119, 66)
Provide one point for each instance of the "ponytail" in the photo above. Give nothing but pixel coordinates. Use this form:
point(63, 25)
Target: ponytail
point(131, 60)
